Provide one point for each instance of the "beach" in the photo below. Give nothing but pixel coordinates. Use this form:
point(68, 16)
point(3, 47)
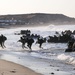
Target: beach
point(52, 59)
point(10, 68)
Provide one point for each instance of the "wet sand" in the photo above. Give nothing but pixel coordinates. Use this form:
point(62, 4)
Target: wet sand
point(10, 68)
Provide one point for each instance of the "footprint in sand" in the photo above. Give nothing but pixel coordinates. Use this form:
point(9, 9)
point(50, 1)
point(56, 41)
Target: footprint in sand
point(13, 71)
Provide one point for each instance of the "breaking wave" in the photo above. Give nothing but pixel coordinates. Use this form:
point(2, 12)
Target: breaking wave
point(70, 59)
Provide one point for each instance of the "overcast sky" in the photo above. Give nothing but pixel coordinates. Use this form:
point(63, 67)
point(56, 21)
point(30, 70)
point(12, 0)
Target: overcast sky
point(66, 7)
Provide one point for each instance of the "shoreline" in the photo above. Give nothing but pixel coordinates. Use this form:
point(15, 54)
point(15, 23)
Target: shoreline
point(9, 68)
point(18, 26)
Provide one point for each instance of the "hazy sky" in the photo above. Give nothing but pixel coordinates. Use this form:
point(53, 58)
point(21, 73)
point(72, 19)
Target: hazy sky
point(66, 7)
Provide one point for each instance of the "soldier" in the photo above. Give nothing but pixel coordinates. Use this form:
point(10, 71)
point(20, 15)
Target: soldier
point(2, 40)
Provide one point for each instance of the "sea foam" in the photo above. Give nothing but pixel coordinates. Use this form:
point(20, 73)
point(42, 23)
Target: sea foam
point(66, 58)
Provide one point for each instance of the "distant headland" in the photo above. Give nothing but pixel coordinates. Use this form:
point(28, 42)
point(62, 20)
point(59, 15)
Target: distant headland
point(36, 19)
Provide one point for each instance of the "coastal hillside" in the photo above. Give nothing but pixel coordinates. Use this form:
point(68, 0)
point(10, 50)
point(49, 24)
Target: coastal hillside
point(35, 19)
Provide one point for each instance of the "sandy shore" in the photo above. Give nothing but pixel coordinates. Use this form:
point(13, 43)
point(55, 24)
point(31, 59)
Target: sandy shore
point(9, 68)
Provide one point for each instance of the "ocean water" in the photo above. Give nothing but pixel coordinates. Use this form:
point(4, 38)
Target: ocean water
point(49, 59)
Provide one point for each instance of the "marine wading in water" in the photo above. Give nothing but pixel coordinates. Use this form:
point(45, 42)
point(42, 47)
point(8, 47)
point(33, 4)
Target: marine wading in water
point(2, 40)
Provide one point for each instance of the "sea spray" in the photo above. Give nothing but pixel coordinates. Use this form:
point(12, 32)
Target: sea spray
point(66, 58)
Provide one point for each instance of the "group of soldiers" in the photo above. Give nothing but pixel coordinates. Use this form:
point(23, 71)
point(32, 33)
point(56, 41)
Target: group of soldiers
point(41, 40)
point(27, 40)
point(23, 40)
point(30, 41)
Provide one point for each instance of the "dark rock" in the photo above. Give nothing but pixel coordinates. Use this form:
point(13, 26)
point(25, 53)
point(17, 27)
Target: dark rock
point(52, 73)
